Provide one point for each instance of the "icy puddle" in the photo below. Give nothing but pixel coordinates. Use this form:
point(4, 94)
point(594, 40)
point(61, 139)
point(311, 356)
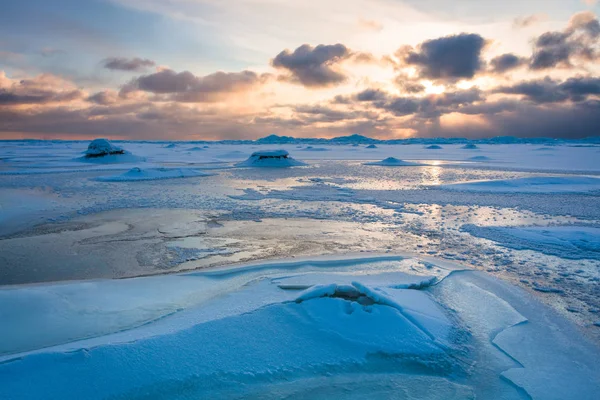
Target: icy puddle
point(388, 326)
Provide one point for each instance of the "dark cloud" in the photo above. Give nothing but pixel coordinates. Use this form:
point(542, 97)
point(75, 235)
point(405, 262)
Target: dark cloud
point(551, 91)
point(579, 41)
point(314, 66)
point(506, 62)
point(371, 95)
point(104, 97)
point(426, 106)
point(127, 64)
point(186, 87)
point(38, 97)
point(447, 58)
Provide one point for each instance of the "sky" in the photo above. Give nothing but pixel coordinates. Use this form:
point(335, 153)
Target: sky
point(245, 69)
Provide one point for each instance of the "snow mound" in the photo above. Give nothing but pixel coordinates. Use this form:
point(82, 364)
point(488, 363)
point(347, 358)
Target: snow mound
point(393, 162)
point(570, 242)
point(433, 147)
point(537, 184)
point(310, 148)
point(271, 159)
point(479, 158)
point(371, 146)
point(138, 174)
point(470, 146)
point(101, 148)
point(196, 148)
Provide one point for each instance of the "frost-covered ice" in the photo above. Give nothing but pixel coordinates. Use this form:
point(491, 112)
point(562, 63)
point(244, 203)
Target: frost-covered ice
point(138, 174)
point(239, 332)
point(393, 162)
point(546, 184)
point(271, 159)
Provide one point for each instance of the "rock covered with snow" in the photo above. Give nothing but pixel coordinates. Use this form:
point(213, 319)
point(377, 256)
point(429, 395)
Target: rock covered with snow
point(371, 146)
point(102, 147)
point(271, 159)
point(393, 162)
point(433, 147)
point(470, 146)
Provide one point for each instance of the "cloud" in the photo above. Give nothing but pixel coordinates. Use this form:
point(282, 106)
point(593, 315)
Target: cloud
point(186, 87)
point(42, 89)
point(579, 41)
point(525, 22)
point(370, 25)
point(313, 66)
point(127, 64)
point(104, 97)
point(550, 91)
point(506, 62)
point(447, 58)
point(51, 52)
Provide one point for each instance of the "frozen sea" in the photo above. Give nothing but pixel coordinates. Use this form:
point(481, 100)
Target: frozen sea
point(197, 270)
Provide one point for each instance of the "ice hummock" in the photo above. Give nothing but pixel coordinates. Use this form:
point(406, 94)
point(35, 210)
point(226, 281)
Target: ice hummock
point(470, 146)
point(433, 147)
point(393, 162)
point(102, 147)
point(272, 159)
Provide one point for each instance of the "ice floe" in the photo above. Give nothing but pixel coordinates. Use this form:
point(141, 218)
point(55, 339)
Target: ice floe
point(536, 184)
point(570, 242)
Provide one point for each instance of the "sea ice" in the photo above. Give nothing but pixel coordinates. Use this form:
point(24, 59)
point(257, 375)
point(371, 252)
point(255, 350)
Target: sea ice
point(537, 184)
